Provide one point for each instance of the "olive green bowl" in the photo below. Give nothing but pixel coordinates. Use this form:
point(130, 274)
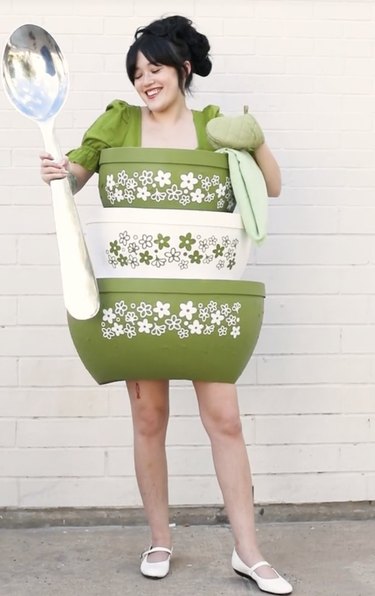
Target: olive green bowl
point(170, 329)
point(165, 179)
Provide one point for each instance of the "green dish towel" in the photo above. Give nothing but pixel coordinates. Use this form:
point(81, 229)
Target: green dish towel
point(250, 191)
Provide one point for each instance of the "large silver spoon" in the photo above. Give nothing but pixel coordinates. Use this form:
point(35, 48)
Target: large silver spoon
point(35, 78)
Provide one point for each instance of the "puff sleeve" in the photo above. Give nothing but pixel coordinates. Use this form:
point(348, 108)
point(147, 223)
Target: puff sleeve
point(108, 130)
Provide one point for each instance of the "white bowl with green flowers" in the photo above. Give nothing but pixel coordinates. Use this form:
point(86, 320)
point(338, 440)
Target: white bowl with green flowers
point(168, 243)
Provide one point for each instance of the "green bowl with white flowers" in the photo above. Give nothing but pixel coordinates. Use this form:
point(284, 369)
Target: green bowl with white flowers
point(170, 329)
point(165, 179)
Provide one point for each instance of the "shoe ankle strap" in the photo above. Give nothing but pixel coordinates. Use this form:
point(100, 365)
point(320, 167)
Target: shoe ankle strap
point(156, 549)
point(259, 564)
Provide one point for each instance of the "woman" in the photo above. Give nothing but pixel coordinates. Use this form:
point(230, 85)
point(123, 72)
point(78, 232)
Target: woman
point(160, 64)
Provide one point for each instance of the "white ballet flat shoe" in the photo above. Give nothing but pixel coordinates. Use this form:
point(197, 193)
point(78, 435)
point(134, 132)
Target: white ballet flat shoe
point(277, 585)
point(155, 570)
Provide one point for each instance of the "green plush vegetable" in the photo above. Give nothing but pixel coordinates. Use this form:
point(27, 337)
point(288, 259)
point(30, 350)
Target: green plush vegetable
point(238, 132)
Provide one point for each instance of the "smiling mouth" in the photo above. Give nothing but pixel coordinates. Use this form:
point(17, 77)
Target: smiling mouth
point(153, 92)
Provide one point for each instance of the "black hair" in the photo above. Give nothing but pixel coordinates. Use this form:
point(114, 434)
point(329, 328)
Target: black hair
point(171, 41)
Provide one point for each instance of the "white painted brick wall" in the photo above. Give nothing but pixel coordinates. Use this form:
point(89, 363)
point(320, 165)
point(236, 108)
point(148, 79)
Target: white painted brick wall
point(307, 397)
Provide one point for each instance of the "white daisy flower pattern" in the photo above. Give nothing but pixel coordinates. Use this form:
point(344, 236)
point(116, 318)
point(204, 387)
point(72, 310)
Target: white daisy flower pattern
point(186, 188)
point(187, 310)
point(184, 319)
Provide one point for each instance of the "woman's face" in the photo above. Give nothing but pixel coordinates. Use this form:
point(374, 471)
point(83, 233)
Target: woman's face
point(156, 84)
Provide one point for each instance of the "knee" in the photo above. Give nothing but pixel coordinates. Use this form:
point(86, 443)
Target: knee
point(150, 407)
point(224, 424)
point(150, 421)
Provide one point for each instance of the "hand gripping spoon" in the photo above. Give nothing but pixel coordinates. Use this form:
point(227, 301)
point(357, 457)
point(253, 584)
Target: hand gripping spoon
point(35, 79)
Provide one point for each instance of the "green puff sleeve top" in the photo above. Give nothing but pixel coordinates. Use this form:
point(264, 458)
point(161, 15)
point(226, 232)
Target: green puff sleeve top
point(120, 126)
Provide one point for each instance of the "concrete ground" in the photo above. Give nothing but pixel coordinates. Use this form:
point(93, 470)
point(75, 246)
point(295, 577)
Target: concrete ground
point(319, 559)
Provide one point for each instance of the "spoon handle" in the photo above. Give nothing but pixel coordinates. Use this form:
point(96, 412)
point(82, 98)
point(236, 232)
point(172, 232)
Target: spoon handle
point(80, 290)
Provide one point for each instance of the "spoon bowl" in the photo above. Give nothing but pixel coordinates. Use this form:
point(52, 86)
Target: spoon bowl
point(35, 73)
point(35, 79)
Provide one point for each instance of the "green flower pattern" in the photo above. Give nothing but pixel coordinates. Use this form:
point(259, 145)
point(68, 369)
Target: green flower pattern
point(186, 250)
point(158, 187)
point(157, 318)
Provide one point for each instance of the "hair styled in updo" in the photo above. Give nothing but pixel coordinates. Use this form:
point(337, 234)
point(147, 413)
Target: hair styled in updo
point(171, 41)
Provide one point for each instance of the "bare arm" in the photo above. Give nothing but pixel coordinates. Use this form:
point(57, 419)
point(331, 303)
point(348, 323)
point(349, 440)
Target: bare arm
point(52, 170)
point(270, 169)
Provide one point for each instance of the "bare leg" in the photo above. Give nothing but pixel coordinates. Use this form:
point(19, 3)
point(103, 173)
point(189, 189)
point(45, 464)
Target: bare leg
point(150, 411)
point(220, 416)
